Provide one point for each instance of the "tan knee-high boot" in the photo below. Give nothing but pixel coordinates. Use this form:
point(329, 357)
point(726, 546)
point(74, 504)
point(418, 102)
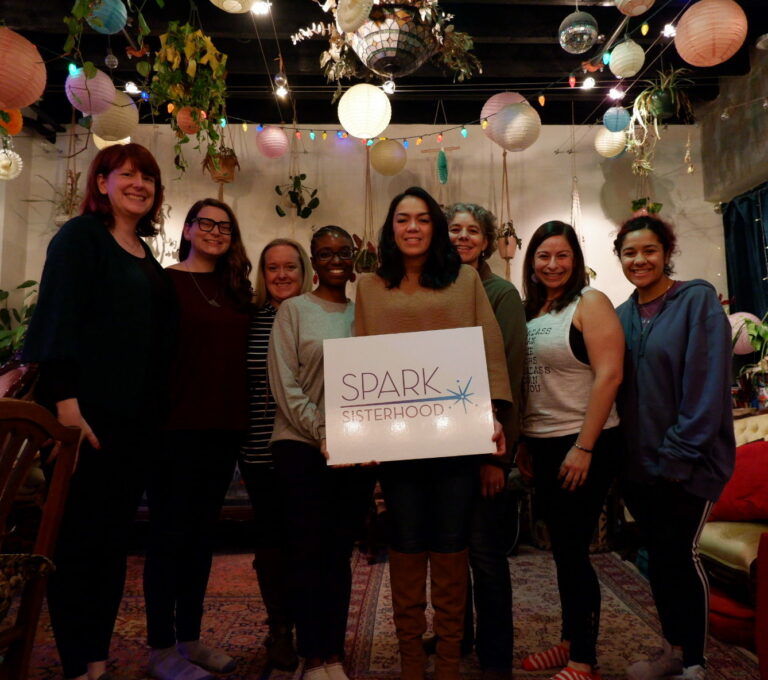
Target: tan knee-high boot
point(408, 576)
point(449, 572)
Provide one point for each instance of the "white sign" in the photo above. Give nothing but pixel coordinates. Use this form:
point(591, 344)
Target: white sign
point(407, 395)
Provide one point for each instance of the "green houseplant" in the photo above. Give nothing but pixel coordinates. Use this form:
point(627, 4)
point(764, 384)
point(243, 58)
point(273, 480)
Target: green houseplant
point(301, 198)
point(507, 240)
point(663, 98)
point(14, 320)
point(189, 80)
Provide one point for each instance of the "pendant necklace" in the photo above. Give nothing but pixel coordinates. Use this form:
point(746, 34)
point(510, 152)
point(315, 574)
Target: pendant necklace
point(213, 302)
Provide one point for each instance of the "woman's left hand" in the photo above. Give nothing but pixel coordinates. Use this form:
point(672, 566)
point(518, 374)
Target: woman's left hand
point(498, 437)
point(575, 468)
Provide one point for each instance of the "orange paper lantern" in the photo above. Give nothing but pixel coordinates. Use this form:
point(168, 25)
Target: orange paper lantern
point(23, 69)
point(14, 125)
point(711, 32)
point(186, 120)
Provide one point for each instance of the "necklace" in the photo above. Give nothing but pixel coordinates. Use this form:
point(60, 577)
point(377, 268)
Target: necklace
point(213, 302)
point(134, 247)
point(661, 297)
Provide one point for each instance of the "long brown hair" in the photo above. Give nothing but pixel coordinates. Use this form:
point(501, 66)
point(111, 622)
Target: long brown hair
point(233, 267)
point(109, 159)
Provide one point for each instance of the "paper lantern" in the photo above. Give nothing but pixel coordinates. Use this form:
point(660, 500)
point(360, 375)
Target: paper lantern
point(187, 121)
point(14, 125)
point(10, 164)
point(100, 143)
point(117, 122)
point(388, 157)
point(495, 104)
point(234, 6)
point(109, 15)
point(272, 141)
point(352, 14)
point(627, 58)
point(710, 32)
point(634, 8)
point(610, 144)
point(23, 71)
point(577, 32)
point(739, 335)
point(364, 111)
point(90, 95)
point(516, 126)
point(616, 119)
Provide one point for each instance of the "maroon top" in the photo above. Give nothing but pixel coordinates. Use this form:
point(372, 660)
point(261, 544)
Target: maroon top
point(208, 384)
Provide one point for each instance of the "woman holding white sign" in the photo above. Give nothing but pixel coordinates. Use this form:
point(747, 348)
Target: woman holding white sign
point(575, 355)
point(322, 506)
point(421, 285)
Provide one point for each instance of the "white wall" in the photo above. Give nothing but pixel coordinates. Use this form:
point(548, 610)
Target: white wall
point(540, 182)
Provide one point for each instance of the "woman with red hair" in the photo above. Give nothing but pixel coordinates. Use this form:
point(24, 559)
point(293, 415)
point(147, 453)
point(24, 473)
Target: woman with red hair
point(99, 333)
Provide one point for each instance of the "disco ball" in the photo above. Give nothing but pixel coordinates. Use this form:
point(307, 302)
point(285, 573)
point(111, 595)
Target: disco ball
point(578, 32)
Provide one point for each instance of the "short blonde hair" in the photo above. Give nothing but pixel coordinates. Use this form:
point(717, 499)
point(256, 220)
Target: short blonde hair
point(260, 293)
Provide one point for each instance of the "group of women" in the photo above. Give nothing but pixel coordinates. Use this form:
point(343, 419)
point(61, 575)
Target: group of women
point(177, 376)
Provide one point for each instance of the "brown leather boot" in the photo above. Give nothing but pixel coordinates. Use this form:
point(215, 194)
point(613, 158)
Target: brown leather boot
point(408, 576)
point(450, 575)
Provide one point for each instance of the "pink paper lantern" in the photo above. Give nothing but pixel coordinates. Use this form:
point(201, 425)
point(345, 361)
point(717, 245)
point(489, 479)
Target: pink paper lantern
point(90, 95)
point(741, 344)
point(272, 142)
point(711, 32)
point(23, 71)
point(495, 104)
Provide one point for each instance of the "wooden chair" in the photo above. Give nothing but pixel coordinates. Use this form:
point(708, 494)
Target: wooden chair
point(25, 427)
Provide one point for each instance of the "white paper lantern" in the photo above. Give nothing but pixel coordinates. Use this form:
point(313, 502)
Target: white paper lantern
point(739, 334)
point(610, 144)
point(627, 58)
point(516, 126)
point(100, 143)
point(117, 122)
point(90, 95)
point(272, 141)
point(495, 104)
point(234, 6)
point(711, 32)
point(364, 111)
point(352, 14)
point(634, 8)
point(388, 157)
point(10, 164)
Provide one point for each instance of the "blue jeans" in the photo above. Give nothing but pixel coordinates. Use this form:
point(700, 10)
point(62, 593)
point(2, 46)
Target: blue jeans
point(429, 503)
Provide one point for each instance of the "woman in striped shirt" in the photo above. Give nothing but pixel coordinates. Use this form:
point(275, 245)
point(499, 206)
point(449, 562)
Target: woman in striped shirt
point(283, 271)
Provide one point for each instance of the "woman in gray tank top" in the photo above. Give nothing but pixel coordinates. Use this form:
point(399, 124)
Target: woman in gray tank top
point(574, 368)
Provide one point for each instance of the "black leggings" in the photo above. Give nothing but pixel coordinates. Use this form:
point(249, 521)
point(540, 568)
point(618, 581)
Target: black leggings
point(670, 520)
point(187, 483)
point(571, 518)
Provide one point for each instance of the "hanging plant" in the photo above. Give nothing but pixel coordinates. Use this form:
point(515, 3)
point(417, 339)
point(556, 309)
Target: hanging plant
point(507, 240)
point(367, 259)
point(190, 82)
point(222, 165)
point(644, 206)
point(301, 198)
point(66, 200)
point(660, 100)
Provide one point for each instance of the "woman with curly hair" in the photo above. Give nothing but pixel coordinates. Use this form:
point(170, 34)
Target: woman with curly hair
point(196, 458)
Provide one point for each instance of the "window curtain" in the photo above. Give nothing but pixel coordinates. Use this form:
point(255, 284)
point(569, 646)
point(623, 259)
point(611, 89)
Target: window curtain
point(745, 219)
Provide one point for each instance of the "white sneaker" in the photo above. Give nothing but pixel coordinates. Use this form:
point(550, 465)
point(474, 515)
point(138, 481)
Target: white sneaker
point(692, 673)
point(317, 673)
point(662, 663)
point(335, 671)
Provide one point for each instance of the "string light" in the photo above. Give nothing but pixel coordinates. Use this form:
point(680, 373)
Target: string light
point(572, 80)
point(439, 137)
point(542, 100)
point(464, 132)
point(259, 127)
point(312, 135)
point(369, 142)
point(339, 134)
point(298, 134)
point(589, 83)
point(615, 93)
point(245, 126)
point(645, 28)
point(144, 95)
point(131, 88)
point(669, 31)
point(170, 108)
point(324, 135)
point(261, 7)
point(223, 122)
point(281, 91)
point(389, 86)
point(484, 124)
point(419, 140)
point(405, 144)
point(344, 135)
point(606, 58)
point(73, 70)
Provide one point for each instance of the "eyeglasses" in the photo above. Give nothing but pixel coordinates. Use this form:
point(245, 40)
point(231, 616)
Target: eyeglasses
point(204, 224)
point(326, 254)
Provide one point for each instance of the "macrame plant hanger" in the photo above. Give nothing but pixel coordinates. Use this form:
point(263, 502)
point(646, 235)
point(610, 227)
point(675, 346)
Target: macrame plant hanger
point(509, 244)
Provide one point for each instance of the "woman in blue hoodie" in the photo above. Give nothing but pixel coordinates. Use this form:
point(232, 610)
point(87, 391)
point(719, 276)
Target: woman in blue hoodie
point(675, 409)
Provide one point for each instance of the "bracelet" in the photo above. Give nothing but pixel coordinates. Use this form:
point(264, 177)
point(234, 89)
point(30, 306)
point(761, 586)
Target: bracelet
point(576, 445)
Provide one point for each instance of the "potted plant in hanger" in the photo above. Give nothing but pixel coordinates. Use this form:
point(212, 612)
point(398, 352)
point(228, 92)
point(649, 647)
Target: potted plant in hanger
point(663, 98)
point(507, 240)
point(299, 197)
point(222, 164)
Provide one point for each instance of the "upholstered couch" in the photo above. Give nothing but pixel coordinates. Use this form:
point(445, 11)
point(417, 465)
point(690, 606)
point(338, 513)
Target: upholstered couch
point(734, 545)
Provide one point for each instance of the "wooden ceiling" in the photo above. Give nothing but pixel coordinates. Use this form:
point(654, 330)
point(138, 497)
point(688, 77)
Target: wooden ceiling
point(516, 41)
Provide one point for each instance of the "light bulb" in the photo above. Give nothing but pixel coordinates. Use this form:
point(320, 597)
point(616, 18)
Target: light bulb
point(669, 31)
point(312, 135)
point(261, 7)
point(645, 28)
point(280, 79)
point(389, 86)
point(131, 88)
point(615, 93)
point(464, 132)
point(281, 91)
point(589, 83)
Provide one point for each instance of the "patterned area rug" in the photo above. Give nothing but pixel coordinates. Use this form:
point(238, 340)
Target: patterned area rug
point(235, 621)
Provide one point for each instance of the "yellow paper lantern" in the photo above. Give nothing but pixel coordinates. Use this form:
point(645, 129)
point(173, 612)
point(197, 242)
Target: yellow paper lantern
point(516, 126)
point(627, 58)
point(609, 144)
point(23, 71)
point(711, 32)
point(119, 121)
point(100, 143)
point(388, 157)
point(364, 111)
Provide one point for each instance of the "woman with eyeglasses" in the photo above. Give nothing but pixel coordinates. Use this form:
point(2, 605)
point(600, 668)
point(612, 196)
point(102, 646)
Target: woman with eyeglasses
point(323, 507)
point(421, 285)
point(100, 333)
point(195, 461)
point(283, 272)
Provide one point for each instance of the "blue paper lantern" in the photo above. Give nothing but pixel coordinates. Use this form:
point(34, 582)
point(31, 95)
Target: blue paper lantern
point(616, 119)
point(110, 16)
